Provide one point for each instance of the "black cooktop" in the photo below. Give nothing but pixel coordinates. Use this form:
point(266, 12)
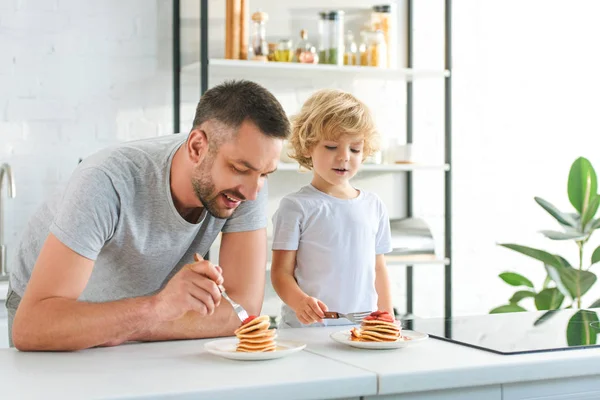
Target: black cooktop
point(516, 333)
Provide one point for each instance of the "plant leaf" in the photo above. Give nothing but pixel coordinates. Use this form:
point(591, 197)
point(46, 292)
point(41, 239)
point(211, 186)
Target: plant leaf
point(545, 317)
point(570, 276)
point(590, 211)
point(596, 255)
point(555, 276)
point(594, 225)
point(549, 299)
point(580, 332)
point(514, 279)
point(563, 218)
point(541, 255)
point(507, 309)
point(582, 184)
point(520, 295)
point(595, 304)
point(556, 235)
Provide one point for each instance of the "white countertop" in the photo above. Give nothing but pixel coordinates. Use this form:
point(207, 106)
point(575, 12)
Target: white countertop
point(325, 369)
point(178, 369)
point(435, 364)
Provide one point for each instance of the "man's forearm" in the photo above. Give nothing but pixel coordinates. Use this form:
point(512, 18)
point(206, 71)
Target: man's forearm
point(192, 326)
point(66, 324)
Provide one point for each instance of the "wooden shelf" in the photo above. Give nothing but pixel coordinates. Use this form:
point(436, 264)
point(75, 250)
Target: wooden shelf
point(375, 168)
point(257, 69)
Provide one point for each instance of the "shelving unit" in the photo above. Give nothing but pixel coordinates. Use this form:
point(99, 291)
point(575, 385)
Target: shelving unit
point(381, 168)
point(215, 67)
point(278, 69)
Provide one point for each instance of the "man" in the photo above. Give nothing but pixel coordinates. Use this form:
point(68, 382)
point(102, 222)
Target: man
point(111, 258)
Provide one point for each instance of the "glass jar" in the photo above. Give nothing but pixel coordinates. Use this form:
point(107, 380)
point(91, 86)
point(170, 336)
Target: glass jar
point(260, 47)
point(381, 20)
point(272, 49)
point(323, 44)
point(350, 50)
point(305, 52)
point(336, 38)
point(363, 56)
point(284, 51)
point(376, 49)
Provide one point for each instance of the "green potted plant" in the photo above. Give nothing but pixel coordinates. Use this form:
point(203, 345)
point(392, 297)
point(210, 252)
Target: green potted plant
point(565, 283)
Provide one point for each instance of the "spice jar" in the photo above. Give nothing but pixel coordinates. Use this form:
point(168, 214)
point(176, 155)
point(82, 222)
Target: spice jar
point(260, 46)
point(350, 50)
point(284, 51)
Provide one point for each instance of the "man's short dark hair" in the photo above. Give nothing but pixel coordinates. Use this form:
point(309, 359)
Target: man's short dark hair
point(233, 102)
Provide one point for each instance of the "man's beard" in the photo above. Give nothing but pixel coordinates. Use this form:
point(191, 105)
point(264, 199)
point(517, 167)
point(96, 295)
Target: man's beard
point(205, 191)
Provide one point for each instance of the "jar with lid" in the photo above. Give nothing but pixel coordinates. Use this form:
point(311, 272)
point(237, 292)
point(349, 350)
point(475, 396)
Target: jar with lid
point(284, 51)
point(323, 45)
point(376, 49)
point(381, 20)
point(336, 37)
point(305, 52)
point(350, 50)
point(260, 47)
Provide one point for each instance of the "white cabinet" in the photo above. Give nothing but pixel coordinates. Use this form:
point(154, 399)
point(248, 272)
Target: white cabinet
point(470, 393)
point(578, 388)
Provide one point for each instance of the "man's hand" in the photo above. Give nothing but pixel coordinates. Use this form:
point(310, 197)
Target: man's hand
point(310, 310)
point(194, 288)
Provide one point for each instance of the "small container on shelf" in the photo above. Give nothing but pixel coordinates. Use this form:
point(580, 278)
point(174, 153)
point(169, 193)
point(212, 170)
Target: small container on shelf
point(381, 20)
point(336, 37)
point(260, 47)
point(323, 44)
point(351, 56)
point(284, 52)
point(305, 52)
point(376, 49)
point(272, 48)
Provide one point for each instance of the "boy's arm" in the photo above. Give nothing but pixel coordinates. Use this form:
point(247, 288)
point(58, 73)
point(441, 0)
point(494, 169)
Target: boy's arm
point(383, 286)
point(282, 278)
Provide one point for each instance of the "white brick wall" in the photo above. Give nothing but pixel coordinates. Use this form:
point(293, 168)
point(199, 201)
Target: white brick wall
point(74, 77)
point(78, 75)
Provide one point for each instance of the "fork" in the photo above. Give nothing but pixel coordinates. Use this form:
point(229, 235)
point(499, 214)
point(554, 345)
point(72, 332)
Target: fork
point(355, 317)
point(239, 310)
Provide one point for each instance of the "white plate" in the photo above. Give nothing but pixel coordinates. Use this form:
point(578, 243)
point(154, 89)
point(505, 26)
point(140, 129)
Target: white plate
point(226, 348)
point(415, 337)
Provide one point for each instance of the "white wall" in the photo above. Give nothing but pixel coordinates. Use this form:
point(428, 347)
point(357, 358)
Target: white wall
point(76, 76)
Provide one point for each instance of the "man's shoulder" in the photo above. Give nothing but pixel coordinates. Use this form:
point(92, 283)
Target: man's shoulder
point(134, 157)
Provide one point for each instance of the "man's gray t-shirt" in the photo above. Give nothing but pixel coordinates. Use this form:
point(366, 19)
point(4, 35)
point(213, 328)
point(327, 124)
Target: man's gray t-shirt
point(117, 209)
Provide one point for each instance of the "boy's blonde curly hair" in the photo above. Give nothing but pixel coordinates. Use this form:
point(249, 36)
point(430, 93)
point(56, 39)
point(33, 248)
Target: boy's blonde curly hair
point(326, 115)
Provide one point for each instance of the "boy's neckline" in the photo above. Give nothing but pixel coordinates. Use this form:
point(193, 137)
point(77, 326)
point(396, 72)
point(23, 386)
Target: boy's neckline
point(345, 199)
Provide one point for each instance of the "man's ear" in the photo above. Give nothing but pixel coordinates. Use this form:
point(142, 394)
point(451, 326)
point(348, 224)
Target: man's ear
point(197, 145)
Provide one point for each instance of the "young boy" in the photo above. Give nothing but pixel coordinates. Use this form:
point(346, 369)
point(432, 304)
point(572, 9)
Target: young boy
point(330, 238)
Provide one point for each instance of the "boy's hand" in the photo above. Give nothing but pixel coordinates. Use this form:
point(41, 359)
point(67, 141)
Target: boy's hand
point(310, 310)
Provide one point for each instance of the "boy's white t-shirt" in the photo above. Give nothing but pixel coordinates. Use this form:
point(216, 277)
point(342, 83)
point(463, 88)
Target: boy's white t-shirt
point(336, 242)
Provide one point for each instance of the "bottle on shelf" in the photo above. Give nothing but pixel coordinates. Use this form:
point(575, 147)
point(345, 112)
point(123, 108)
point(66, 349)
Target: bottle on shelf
point(305, 52)
point(260, 47)
point(350, 50)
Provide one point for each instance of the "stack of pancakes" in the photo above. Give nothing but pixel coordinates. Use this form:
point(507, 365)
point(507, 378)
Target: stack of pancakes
point(255, 335)
point(380, 326)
